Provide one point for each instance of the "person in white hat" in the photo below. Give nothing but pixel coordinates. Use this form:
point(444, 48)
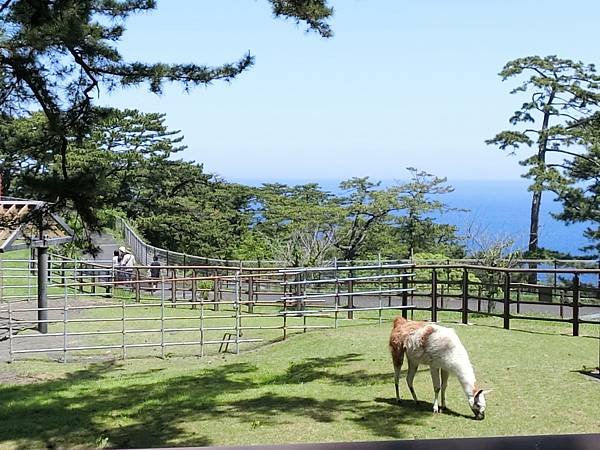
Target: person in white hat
point(127, 263)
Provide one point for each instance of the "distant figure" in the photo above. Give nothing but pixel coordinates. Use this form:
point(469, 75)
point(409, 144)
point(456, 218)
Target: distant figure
point(127, 263)
point(154, 271)
point(116, 262)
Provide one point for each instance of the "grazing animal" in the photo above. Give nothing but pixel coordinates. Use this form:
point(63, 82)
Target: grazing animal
point(442, 351)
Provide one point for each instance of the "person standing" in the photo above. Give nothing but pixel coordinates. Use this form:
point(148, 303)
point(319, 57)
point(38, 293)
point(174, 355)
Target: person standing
point(154, 271)
point(116, 262)
point(127, 263)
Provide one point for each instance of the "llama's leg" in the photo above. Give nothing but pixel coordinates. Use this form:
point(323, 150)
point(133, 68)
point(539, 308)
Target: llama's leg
point(445, 375)
point(398, 360)
point(410, 376)
point(435, 379)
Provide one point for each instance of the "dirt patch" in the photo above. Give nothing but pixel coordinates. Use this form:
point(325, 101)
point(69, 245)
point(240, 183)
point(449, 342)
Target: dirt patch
point(23, 316)
point(14, 378)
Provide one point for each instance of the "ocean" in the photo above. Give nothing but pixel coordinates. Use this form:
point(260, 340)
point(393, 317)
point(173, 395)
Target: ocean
point(502, 208)
point(496, 209)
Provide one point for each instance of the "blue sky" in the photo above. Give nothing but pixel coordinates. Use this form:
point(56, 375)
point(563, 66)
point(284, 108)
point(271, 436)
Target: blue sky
point(402, 83)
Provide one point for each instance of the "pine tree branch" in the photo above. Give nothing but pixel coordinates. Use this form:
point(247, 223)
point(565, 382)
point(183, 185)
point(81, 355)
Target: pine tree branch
point(5, 5)
point(88, 71)
point(562, 166)
point(577, 155)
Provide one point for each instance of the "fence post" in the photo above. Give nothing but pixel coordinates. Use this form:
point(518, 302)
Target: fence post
point(123, 339)
point(65, 322)
point(162, 317)
point(337, 291)
point(250, 294)
point(404, 294)
point(173, 286)
point(598, 287)
point(238, 319)
point(433, 295)
point(506, 301)
point(465, 297)
point(42, 295)
point(216, 291)
point(10, 333)
point(285, 303)
point(351, 297)
point(576, 305)
point(194, 292)
point(136, 280)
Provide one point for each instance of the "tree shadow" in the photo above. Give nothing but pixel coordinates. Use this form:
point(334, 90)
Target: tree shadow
point(383, 421)
point(103, 405)
point(312, 369)
point(72, 411)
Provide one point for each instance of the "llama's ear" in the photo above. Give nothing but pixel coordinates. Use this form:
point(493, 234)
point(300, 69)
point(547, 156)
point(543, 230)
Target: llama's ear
point(483, 391)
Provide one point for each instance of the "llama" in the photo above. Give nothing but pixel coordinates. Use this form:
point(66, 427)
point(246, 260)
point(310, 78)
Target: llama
point(440, 349)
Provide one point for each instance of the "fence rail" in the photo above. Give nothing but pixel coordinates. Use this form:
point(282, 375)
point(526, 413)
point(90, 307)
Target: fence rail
point(208, 307)
point(190, 306)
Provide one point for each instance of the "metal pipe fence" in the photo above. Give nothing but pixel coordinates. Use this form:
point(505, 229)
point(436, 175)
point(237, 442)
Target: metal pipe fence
point(218, 308)
point(239, 309)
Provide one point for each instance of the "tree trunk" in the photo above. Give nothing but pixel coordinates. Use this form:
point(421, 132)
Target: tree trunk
point(536, 201)
point(536, 198)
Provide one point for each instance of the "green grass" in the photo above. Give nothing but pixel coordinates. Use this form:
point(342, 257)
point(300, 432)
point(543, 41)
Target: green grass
point(18, 283)
point(328, 385)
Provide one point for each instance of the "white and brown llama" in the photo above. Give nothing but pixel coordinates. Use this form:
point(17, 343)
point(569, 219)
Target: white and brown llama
point(440, 349)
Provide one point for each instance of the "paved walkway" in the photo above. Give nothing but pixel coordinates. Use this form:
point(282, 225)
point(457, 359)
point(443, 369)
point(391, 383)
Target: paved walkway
point(107, 244)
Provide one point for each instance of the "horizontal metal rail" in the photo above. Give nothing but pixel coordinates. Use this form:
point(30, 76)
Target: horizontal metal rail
point(297, 270)
point(342, 280)
point(232, 295)
point(345, 294)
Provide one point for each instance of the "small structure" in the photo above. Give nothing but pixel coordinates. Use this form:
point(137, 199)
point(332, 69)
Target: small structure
point(31, 224)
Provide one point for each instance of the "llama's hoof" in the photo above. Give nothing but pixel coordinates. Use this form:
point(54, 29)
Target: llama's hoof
point(436, 410)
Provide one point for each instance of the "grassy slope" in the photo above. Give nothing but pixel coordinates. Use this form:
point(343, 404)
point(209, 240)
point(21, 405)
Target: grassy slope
point(333, 385)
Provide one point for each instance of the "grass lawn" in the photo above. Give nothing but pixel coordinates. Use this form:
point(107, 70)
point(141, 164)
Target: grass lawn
point(18, 283)
point(328, 385)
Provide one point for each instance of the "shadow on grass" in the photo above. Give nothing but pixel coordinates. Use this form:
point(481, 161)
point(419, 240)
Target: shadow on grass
point(103, 406)
point(422, 406)
point(521, 328)
point(328, 369)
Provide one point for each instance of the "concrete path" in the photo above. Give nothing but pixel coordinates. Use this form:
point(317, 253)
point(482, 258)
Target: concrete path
point(107, 244)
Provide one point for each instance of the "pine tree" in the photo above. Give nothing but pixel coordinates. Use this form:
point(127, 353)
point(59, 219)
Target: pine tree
point(563, 95)
point(55, 55)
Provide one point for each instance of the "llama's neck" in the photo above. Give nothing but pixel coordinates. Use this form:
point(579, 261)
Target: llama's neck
point(466, 376)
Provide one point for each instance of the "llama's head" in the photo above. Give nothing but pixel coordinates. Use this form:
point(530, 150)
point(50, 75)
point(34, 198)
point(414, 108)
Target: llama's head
point(477, 403)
